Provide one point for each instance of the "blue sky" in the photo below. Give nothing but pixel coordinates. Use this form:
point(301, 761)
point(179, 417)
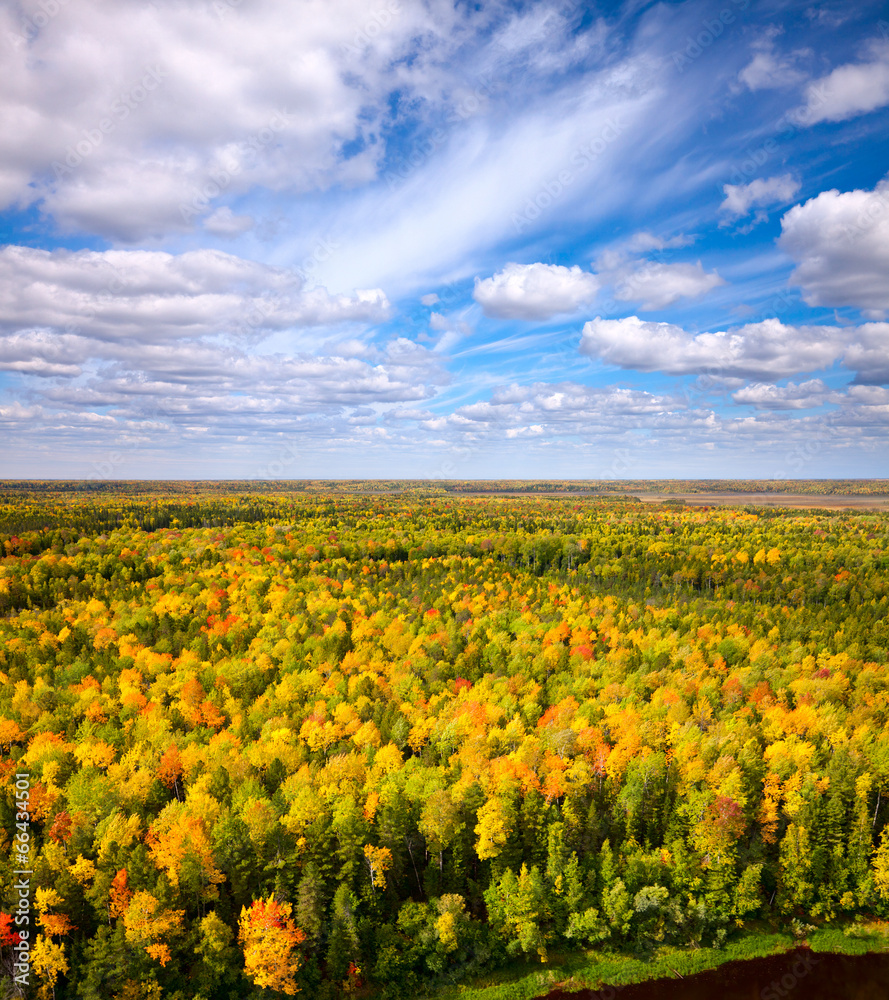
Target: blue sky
point(391, 238)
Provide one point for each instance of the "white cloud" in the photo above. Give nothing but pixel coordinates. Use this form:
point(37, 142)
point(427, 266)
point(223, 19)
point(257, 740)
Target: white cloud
point(644, 241)
point(194, 379)
point(43, 353)
point(789, 397)
point(610, 432)
point(868, 395)
point(868, 354)
point(832, 17)
point(152, 295)
point(657, 285)
point(223, 222)
point(449, 216)
point(766, 350)
point(246, 97)
point(407, 413)
point(535, 291)
point(542, 291)
point(190, 400)
point(840, 241)
point(152, 338)
point(555, 410)
point(741, 198)
point(850, 90)
point(768, 70)
point(452, 328)
point(119, 116)
point(15, 414)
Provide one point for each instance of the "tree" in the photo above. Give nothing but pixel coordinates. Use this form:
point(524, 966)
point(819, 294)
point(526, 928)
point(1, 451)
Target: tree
point(310, 903)
point(452, 917)
point(618, 908)
point(217, 953)
point(148, 923)
point(119, 894)
point(796, 868)
point(517, 906)
point(49, 963)
point(440, 821)
point(748, 893)
point(269, 939)
point(343, 948)
point(169, 769)
point(493, 829)
point(379, 861)
point(649, 904)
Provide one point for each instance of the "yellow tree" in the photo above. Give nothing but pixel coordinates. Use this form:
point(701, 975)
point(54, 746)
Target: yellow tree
point(881, 865)
point(269, 938)
point(146, 923)
point(379, 861)
point(493, 829)
point(49, 963)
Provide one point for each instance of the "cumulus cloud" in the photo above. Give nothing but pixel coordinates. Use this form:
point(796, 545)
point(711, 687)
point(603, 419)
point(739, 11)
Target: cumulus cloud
point(408, 413)
point(868, 395)
point(535, 291)
point(765, 70)
point(868, 354)
point(132, 121)
point(556, 410)
point(449, 324)
point(840, 241)
point(203, 378)
point(162, 398)
point(850, 90)
point(152, 295)
point(741, 198)
point(617, 432)
point(766, 350)
point(43, 353)
point(542, 291)
point(166, 344)
point(788, 397)
point(656, 285)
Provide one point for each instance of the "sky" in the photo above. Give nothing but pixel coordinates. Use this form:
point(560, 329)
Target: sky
point(278, 239)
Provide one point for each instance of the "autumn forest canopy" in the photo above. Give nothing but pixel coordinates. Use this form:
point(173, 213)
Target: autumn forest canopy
point(372, 740)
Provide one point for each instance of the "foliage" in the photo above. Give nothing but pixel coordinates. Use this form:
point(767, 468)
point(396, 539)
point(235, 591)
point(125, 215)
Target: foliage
point(366, 741)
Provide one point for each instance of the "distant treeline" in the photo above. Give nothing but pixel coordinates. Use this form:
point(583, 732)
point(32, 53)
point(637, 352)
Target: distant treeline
point(16, 489)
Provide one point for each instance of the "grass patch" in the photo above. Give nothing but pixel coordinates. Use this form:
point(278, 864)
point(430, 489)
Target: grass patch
point(592, 970)
point(857, 938)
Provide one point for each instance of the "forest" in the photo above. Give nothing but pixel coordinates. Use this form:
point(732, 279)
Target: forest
point(266, 740)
